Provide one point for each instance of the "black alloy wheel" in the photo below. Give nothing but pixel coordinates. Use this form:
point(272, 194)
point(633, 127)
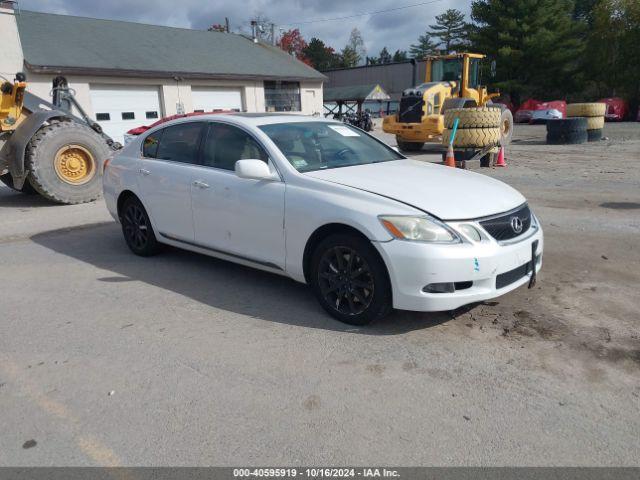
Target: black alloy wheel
point(137, 229)
point(345, 280)
point(350, 279)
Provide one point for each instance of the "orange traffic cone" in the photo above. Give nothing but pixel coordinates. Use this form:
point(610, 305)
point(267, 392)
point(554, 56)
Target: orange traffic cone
point(500, 162)
point(450, 159)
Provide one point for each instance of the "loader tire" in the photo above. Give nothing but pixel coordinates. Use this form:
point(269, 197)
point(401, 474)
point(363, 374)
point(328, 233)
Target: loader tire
point(567, 138)
point(506, 127)
point(565, 125)
point(27, 189)
point(595, 123)
point(473, 137)
point(475, 117)
point(594, 135)
point(409, 146)
point(64, 161)
point(586, 109)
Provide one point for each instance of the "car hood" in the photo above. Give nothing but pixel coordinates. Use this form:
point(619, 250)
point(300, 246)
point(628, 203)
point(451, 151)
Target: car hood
point(447, 193)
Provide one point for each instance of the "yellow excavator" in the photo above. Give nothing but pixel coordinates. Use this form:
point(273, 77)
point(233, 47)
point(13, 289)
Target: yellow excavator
point(45, 148)
point(453, 85)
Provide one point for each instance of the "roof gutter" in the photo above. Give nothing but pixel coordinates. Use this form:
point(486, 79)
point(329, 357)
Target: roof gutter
point(59, 70)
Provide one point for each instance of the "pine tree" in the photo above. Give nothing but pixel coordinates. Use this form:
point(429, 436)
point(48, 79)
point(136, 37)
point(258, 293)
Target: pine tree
point(400, 56)
point(451, 29)
point(349, 57)
point(385, 56)
point(321, 56)
point(423, 48)
point(536, 45)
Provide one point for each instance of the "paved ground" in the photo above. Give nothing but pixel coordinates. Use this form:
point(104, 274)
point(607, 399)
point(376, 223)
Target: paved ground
point(110, 359)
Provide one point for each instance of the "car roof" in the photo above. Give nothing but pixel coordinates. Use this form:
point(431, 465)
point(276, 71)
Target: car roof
point(252, 119)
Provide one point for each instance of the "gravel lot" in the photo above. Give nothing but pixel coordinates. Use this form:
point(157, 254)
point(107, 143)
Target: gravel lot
point(111, 359)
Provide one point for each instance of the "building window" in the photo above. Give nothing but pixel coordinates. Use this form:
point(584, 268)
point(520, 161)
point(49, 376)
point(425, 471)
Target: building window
point(103, 117)
point(152, 114)
point(282, 96)
point(128, 116)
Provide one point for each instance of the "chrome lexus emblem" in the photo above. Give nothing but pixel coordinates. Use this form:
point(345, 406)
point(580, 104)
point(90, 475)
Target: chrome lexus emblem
point(516, 224)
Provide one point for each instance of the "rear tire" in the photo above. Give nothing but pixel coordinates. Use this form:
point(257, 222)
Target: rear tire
point(409, 146)
point(476, 117)
point(473, 137)
point(62, 178)
point(350, 280)
point(137, 228)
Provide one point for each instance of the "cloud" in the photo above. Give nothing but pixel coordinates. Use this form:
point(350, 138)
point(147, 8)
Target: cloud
point(395, 30)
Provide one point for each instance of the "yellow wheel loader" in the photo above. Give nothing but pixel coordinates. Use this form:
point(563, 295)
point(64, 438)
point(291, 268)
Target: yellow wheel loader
point(451, 90)
point(46, 149)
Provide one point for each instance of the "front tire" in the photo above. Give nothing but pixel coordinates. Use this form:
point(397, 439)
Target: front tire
point(137, 229)
point(409, 146)
point(350, 280)
point(65, 160)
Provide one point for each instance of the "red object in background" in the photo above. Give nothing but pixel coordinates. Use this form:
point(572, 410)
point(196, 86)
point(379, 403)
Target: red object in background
point(525, 111)
point(144, 128)
point(617, 109)
point(559, 105)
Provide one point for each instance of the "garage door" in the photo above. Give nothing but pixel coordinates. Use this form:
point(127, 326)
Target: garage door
point(209, 99)
point(119, 108)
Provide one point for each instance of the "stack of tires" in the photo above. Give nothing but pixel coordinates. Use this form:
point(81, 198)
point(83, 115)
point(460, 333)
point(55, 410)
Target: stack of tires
point(594, 113)
point(567, 131)
point(477, 126)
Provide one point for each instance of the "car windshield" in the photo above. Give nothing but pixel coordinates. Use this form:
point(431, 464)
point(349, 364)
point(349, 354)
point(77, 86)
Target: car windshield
point(313, 146)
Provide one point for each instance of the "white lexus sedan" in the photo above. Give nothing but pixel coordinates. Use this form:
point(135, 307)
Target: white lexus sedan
point(326, 204)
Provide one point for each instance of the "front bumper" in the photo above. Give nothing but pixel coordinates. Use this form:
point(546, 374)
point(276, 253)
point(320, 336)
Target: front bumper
point(429, 130)
point(413, 265)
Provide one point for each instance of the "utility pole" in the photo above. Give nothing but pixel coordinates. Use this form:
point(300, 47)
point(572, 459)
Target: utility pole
point(273, 34)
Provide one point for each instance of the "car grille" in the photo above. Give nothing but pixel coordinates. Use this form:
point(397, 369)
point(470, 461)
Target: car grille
point(410, 110)
point(507, 278)
point(502, 226)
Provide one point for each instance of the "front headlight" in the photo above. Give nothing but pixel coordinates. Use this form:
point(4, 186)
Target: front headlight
point(419, 229)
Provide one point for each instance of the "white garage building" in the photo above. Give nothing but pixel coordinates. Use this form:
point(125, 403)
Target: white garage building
point(128, 74)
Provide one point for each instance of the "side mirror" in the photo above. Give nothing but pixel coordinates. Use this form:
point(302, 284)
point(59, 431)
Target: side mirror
point(254, 170)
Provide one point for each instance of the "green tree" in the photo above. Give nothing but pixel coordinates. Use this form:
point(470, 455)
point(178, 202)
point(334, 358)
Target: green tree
point(349, 57)
point(451, 30)
point(400, 56)
point(612, 60)
point(424, 47)
point(385, 56)
point(321, 56)
point(536, 43)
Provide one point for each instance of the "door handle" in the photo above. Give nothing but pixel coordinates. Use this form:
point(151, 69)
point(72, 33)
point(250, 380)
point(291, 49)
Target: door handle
point(200, 184)
point(144, 172)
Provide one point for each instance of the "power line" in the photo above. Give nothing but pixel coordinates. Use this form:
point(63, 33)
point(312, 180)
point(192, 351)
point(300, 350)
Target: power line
point(362, 14)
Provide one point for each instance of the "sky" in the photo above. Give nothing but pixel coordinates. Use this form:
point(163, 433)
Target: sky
point(395, 30)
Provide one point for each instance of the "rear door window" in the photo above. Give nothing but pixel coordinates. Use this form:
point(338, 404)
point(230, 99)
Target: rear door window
point(150, 144)
point(180, 143)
